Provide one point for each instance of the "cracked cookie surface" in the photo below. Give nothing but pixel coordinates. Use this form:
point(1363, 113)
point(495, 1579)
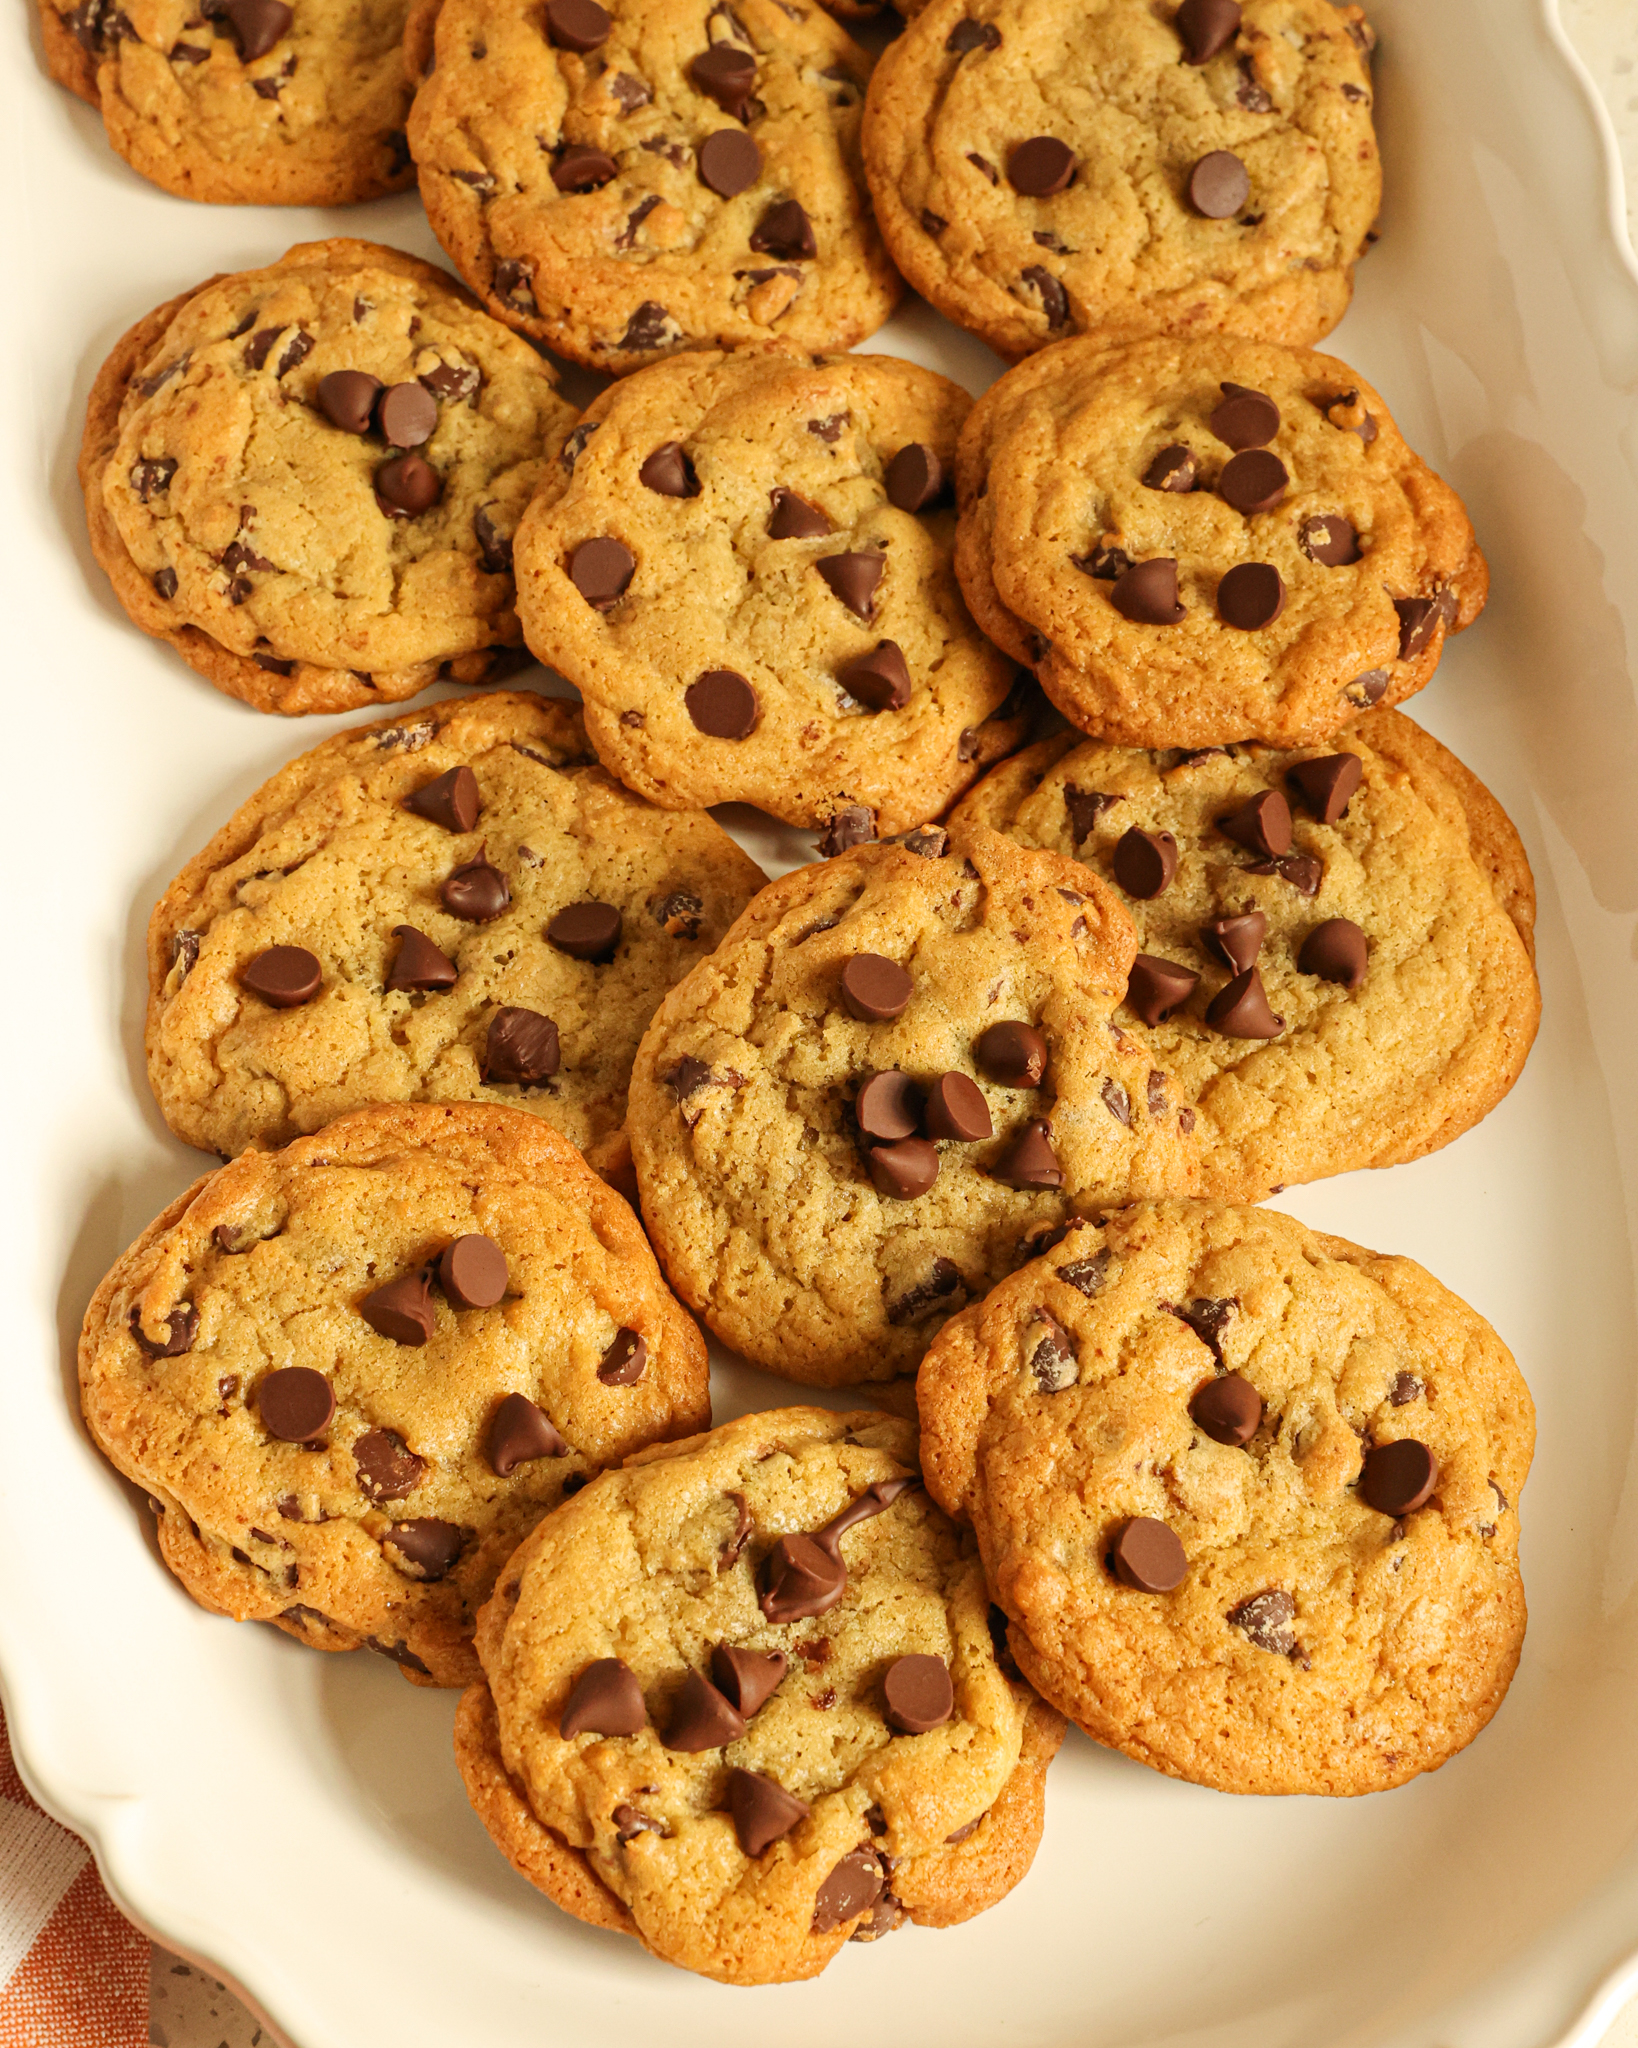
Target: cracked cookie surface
point(241, 524)
point(661, 1565)
point(1103, 232)
point(1224, 466)
point(328, 857)
point(627, 182)
point(1321, 1632)
point(386, 1520)
point(258, 105)
point(757, 522)
point(1420, 861)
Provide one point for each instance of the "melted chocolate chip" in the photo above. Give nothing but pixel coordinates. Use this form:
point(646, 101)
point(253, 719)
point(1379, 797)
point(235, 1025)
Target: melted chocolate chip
point(1328, 539)
point(1266, 1620)
point(1045, 287)
point(387, 1468)
point(973, 35)
point(1173, 469)
point(521, 1047)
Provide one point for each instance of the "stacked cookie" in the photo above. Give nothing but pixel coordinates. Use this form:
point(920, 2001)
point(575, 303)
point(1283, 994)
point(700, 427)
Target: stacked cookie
point(518, 1065)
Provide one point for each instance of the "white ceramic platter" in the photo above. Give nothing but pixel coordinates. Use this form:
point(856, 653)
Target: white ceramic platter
point(295, 1821)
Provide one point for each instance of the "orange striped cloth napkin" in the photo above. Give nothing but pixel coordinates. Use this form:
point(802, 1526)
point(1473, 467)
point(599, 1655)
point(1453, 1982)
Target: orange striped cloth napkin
point(73, 1970)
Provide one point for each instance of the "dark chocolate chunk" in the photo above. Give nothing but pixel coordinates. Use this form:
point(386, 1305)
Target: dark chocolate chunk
point(855, 1885)
point(1266, 1619)
point(1085, 807)
point(577, 24)
point(852, 825)
point(1045, 287)
point(943, 1280)
point(149, 478)
point(973, 35)
point(582, 168)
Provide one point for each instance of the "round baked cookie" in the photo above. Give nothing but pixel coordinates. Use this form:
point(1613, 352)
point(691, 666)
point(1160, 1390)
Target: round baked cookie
point(1209, 540)
point(659, 175)
point(482, 912)
point(743, 563)
point(260, 103)
point(306, 478)
point(1051, 167)
point(353, 1374)
point(890, 1082)
point(741, 1700)
point(1335, 969)
point(1247, 1494)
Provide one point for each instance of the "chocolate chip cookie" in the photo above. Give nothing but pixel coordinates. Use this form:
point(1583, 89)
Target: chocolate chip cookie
point(456, 906)
point(1043, 168)
point(306, 479)
point(257, 102)
point(1209, 540)
point(624, 182)
point(1334, 947)
point(887, 1087)
point(741, 1700)
point(743, 562)
point(353, 1374)
point(1248, 1495)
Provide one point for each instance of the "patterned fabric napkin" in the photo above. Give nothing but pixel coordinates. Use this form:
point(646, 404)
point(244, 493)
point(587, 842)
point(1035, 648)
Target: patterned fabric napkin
point(73, 1970)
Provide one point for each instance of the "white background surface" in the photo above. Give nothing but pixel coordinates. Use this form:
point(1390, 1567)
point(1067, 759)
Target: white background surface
point(189, 2014)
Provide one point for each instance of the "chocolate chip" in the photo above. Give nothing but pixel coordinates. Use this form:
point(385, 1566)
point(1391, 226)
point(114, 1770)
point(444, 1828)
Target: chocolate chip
point(688, 1076)
point(956, 1109)
point(915, 478)
point(702, 1718)
point(880, 679)
point(407, 414)
point(494, 547)
point(1254, 481)
point(762, 1811)
point(1229, 1410)
point(746, 1677)
point(1251, 596)
point(480, 182)
point(1208, 1317)
point(453, 381)
point(729, 162)
point(973, 35)
point(1144, 862)
point(180, 53)
point(1326, 784)
point(165, 583)
point(1246, 418)
point(722, 704)
point(651, 326)
point(793, 518)
point(182, 1325)
point(1236, 941)
point(1303, 874)
point(586, 931)
point(1266, 1619)
point(256, 24)
point(1085, 807)
point(1418, 619)
point(472, 1272)
point(387, 1468)
point(1348, 415)
point(1219, 185)
point(1206, 26)
point(1262, 824)
point(829, 429)
point(604, 1700)
point(1106, 563)
point(1148, 1556)
point(1173, 469)
point(1405, 1388)
point(1156, 987)
point(582, 168)
point(1054, 299)
point(800, 1579)
point(475, 891)
point(521, 1046)
point(1240, 1009)
point(624, 1361)
point(519, 1432)
point(888, 1107)
point(273, 664)
point(1335, 951)
point(1086, 1276)
point(451, 799)
point(630, 1822)
point(1053, 1362)
point(1399, 1478)
point(427, 1548)
point(727, 76)
point(284, 976)
point(1367, 689)
point(295, 1403)
point(903, 1171)
point(419, 964)
point(1251, 93)
point(853, 578)
point(601, 570)
point(1328, 539)
point(669, 471)
point(1040, 167)
point(919, 1694)
point(631, 92)
point(852, 825)
point(398, 1653)
point(875, 989)
point(406, 485)
point(785, 230)
point(854, 1885)
point(985, 168)
point(148, 479)
point(512, 284)
point(1147, 593)
point(1027, 1160)
point(932, 224)
point(577, 24)
point(402, 1310)
point(943, 1280)
point(1013, 1055)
